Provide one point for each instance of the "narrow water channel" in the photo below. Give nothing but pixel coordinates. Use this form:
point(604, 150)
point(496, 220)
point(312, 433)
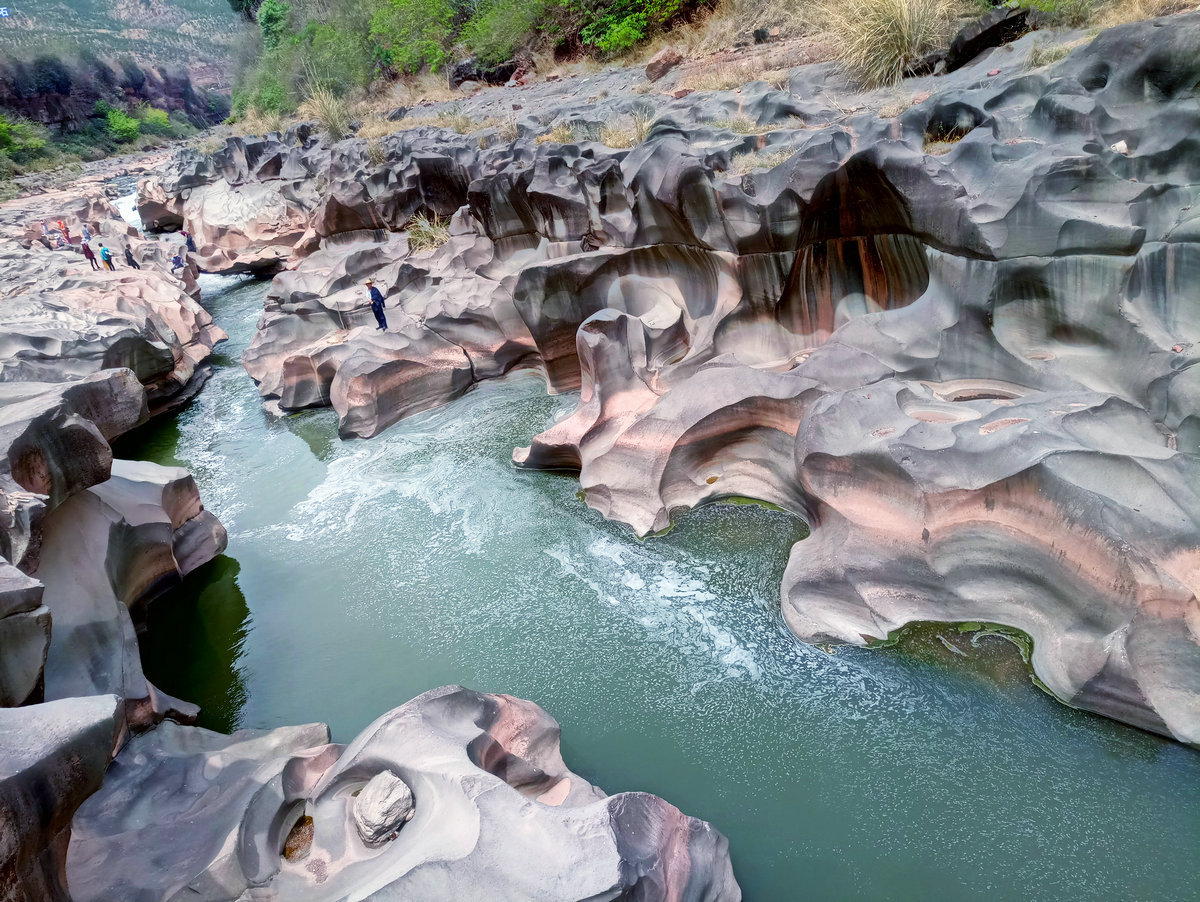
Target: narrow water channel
point(362, 573)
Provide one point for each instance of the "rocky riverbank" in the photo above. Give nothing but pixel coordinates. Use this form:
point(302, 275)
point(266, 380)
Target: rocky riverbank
point(89, 541)
point(956, 339)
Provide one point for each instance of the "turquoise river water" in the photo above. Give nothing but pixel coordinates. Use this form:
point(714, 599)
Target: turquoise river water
point(361, 573)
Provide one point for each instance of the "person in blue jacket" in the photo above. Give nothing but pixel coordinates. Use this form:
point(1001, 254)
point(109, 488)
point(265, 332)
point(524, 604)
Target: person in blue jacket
point(376, 304)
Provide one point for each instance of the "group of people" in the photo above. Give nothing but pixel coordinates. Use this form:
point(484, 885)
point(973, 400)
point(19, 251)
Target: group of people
point(104, 260)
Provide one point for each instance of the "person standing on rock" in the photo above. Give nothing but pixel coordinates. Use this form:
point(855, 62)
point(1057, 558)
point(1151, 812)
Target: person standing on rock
point(176, 263)
point(106, 256)
point(187, 236)
point(129, 258)
point(87, 233)
point(89, 255)
point(376, 304)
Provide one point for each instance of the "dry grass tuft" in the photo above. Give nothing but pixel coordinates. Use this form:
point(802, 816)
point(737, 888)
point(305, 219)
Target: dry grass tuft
point(330, 110)
point(256, 122)
point(376, 127)
point(560, 134)
point(627, 133)
point(456, 120)
point(410, 90)
point(743, 163)
point(208, 144)
point(894, 108)
point(744, 125)
point(375, 151)
point(1044, 53)
point(724, 77)
point(616, 134)
point(880, 39)
point(425, 232)
point(779, 79)
point(1122, 12)
point(508, 130)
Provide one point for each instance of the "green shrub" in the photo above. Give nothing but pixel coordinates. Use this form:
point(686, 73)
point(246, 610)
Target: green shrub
point(154, 121)
point(122, 126)
point(500, 27)
point(273, 18)
point(414, 33)
point(20, 139)
point(1065, 13)
point(622, 24)
point(334, 57)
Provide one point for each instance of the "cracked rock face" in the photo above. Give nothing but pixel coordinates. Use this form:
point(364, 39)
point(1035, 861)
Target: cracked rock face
point(491, 805)
point(962, 343)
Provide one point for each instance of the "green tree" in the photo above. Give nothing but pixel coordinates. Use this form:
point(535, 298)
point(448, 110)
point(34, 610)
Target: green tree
point(273, 18)
point(500, 27)
point(414, 33)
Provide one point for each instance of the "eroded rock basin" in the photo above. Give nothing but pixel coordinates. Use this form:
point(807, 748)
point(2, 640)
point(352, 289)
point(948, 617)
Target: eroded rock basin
point(359, 574)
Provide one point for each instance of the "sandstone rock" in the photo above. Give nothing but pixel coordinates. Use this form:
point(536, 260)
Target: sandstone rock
point(52, 757)
point(55, 438)
point(662, 63)
point(496, 808)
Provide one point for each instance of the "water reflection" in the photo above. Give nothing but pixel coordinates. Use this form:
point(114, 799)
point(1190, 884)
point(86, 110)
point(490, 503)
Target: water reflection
point(194, 639)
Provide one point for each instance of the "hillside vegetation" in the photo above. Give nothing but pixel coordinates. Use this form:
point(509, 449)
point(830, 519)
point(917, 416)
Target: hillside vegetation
point(302, 47)
point(181, 33)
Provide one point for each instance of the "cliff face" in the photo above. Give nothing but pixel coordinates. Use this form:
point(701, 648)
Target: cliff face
point(63, 96)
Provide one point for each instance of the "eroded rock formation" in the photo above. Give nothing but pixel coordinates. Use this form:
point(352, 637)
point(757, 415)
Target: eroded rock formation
point(62, 320)
point(961, 342)
point(85, 540)
point(451, 793)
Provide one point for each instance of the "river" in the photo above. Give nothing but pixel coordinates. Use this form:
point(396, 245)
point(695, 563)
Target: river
point(361, 573)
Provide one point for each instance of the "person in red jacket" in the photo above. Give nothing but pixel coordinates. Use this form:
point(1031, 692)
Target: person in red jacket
point(89, 255)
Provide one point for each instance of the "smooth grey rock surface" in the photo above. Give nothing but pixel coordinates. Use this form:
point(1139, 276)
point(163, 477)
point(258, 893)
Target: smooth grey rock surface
point(189, 814)
point(52, 757)
point(109, 550)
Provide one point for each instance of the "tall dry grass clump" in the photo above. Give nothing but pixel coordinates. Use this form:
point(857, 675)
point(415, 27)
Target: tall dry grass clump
point(1121, 12)
point(427, 232)
point(374, 126)
point(880, 39)
point(256, 122)
point(331, 112)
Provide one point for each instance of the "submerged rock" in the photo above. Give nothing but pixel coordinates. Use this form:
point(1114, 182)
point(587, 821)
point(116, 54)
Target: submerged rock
point(286, 815)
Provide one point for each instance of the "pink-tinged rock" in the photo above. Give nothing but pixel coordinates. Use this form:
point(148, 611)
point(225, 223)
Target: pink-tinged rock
point(662, 63)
